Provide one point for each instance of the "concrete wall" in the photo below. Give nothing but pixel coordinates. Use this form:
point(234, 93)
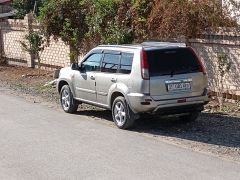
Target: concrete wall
point(13, 31)
point(210, 46)
point(56, 54)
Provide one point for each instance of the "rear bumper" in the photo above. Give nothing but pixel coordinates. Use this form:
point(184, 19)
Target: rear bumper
point(179, 109)
point(172, 106)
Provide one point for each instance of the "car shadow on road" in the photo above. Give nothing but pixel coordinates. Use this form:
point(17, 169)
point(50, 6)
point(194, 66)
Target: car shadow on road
point(209, 128)
point(216, 129)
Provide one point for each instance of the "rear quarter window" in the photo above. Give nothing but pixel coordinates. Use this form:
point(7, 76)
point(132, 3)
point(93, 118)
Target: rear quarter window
point(126, 63)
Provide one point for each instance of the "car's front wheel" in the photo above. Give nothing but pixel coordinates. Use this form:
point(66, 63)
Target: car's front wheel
point(122, 115)
point(67, 100)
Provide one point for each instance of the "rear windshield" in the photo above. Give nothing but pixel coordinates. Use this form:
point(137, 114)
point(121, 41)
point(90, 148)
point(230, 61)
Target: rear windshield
point(172, 61)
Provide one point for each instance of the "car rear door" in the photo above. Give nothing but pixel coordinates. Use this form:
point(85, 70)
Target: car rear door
point(175, 73)
point(108, 75)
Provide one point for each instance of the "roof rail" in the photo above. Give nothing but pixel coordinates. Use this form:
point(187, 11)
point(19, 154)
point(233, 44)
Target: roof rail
point(120, 46)
point(161, 44)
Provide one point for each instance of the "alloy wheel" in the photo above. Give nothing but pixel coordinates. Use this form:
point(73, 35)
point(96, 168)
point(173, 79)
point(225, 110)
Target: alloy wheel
point(65, 99)
point(119, 113)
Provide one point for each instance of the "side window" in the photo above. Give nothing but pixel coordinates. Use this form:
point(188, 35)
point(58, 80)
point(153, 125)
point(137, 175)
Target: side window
point(93, 62)
point(110, 63)
point(126, 63)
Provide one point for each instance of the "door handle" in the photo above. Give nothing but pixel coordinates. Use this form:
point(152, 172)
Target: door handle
point(114, 80)
point(92, 77)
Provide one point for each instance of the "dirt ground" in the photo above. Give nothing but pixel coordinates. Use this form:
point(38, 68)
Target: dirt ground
point(28, 81)
point(217, 133)
point(24, 76)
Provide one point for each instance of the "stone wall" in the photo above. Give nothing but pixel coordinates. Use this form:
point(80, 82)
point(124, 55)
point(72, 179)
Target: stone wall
point(13, 31)
point(210, 46)
point(56, 55)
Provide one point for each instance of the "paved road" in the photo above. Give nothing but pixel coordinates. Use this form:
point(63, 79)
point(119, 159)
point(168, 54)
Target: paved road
point(38, 142)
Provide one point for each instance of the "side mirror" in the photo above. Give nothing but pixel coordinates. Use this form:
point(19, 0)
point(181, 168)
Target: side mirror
point(81, 67)
point(74, 66)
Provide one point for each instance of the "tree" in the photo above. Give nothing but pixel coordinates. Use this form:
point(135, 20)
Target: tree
point(117, 22)
point(106, 24)
point(83, 24)
point(187, 18)
point(140, 13)
point(65, 19)
point(34, 45)
point(23, 7)
point(87, 23)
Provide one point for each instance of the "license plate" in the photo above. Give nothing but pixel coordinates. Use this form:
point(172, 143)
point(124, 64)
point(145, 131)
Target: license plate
point(179, 86)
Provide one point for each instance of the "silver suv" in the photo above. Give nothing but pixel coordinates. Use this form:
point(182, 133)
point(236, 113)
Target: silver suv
point(154, 77)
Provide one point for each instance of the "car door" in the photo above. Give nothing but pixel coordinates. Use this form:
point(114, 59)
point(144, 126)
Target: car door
point(108, 76)
point(85, 79)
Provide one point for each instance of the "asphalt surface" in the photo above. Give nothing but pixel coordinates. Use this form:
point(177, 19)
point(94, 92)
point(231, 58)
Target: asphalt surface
point(38, 142)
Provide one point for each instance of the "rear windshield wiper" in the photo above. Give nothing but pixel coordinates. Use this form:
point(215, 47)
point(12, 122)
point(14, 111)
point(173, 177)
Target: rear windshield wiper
point(194, 68)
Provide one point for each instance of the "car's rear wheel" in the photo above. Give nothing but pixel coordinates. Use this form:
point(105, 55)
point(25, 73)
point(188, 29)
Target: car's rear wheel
point(67, 101)
point(122, 115)
point(191, 117)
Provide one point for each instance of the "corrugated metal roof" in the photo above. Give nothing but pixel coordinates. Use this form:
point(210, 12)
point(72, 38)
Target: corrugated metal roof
point(4, 1)
point(9, 14)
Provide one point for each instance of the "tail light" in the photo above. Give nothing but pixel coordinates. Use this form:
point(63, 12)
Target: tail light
point(202, 67)
point(144, 65)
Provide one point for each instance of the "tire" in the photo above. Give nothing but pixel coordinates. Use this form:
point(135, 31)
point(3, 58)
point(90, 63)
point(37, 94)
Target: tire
point(122, 115)
point(67, 101)
point(191, 117)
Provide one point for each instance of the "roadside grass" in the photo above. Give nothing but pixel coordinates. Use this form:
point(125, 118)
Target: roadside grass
point(227, 108)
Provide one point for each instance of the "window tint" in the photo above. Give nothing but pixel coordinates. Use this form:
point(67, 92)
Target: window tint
point(172, 61)
point(93, 62)
point(110, 63)
point(126, 63)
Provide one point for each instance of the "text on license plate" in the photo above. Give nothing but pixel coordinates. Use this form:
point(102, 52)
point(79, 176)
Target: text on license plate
point(178, 86)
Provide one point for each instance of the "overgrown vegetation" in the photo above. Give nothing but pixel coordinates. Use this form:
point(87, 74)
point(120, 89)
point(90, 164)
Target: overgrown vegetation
point(33, 44)
point(65, 19)
point(118, 22)
point(83, 24)
point(23, 7)
point(187, 18)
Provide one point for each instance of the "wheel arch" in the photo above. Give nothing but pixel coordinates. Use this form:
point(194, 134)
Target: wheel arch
point(62, 83)
point(118, 89)
point(114, 95)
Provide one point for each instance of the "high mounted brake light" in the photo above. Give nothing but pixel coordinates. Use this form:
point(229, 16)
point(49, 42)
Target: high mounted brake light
point(144, 65)
point(202, 67)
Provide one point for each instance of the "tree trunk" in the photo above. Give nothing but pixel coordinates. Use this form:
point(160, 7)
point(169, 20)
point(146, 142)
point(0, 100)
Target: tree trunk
point(73, 54)
point(2, 59)
point(220, 95)
point(39, 64)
